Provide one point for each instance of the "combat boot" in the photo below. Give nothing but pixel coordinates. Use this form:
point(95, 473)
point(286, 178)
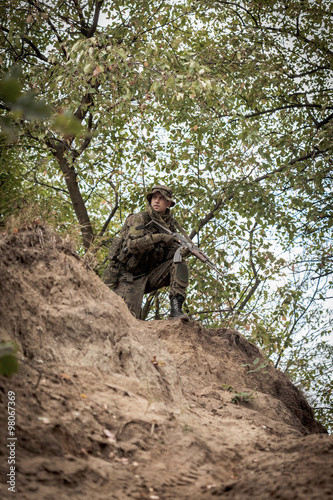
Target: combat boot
point(176, 304)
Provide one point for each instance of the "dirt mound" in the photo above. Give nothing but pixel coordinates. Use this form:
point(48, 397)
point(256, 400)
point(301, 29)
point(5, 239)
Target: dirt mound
point(110, 407)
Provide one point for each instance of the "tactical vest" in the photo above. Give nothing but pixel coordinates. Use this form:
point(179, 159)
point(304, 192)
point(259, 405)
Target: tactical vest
point(119, 252)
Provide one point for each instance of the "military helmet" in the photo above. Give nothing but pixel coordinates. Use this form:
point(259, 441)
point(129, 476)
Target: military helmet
point(165, 191)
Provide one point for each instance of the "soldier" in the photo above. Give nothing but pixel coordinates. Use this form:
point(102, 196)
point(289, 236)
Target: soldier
point(141, 259)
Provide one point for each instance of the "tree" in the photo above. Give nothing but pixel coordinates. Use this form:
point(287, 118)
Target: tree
point(98, 80)
point(230, 103)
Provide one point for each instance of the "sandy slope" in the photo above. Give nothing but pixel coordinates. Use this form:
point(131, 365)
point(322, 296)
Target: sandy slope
point(109, 407)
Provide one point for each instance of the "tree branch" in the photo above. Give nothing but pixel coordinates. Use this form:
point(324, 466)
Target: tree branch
point(146, 307)
point(239, 7)
point(83, 24)
point(44, 184)
point(59, 152)
point(93, 27)
point(281, 108)
point(208, 218)
point(218, 203)
point(35, 49)
point(115, 208)
point(310, 72)
point(255, 274)
point(325, 121)
point(295, 322)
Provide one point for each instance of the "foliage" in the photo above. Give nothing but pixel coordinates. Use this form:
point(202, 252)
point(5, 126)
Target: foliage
point(8, 360)
point(17, 104)
point(253, 368)
point(311, 369)
point(242, 397)
point(230, 103)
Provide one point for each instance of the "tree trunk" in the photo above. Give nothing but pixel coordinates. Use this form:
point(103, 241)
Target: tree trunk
point(78, 203)
point(76, 198)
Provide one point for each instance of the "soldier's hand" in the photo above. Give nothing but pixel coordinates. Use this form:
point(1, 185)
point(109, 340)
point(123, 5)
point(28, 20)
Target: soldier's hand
point(184, 252)
point(167, 239)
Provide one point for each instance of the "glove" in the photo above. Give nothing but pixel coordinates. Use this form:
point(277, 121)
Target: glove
point(167, 239)
point(184, 252)
point(146, 243)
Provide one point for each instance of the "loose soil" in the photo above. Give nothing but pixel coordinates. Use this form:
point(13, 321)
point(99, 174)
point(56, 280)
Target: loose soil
point(109, 407)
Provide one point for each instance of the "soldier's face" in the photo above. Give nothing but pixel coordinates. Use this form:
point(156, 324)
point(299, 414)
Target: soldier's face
point(159, 203)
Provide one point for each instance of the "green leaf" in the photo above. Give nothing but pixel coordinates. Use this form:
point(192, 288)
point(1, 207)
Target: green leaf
point(8, 360)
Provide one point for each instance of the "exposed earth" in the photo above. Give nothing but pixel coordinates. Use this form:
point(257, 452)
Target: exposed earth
point(109, 407)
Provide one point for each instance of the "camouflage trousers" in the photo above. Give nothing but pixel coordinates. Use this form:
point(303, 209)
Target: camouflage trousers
point(132, 288)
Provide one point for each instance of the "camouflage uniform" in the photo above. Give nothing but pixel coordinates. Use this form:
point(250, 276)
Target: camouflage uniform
point(141, 260)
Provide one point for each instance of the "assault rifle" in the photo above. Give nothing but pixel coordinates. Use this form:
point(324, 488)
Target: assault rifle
point(184, 243)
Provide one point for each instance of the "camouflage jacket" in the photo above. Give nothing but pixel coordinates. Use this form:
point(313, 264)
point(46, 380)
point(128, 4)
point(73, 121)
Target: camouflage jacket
point(140, 249)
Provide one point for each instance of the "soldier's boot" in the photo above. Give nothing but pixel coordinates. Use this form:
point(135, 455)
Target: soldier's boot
point(176, 311)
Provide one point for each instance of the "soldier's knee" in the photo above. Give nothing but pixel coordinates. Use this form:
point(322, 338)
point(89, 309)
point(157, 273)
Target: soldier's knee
point(181, 274)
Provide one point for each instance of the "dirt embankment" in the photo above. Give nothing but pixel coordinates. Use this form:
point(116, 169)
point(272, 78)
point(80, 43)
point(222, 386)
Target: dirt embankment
point(109, 407)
